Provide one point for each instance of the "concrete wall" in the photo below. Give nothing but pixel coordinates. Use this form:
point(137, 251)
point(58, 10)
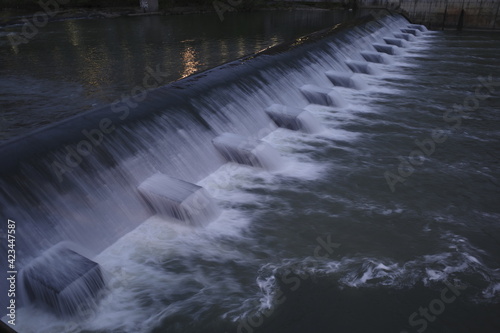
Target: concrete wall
point(439, 14)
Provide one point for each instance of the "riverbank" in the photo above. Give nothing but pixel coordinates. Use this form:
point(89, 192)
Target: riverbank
point(12, 17)
point(15, 15)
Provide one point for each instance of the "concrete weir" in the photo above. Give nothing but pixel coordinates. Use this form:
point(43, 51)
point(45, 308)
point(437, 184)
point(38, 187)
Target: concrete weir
point(178, 199)
point(239, 149)
point(62, 280)
point(418, 27)
point(384, 48)
point(345, 79)
point(148, 164)
point(362, 67)
point(376, 57)
point(414, 32)
point(322, 96)
point(396, 42)
point(406, 37)
point(293, 118)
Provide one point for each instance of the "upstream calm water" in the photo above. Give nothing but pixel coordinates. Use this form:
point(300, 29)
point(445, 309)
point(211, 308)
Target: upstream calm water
point(347, 236)
point(76, 65)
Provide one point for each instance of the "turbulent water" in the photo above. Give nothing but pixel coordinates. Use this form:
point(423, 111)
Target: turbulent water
point(386, 221)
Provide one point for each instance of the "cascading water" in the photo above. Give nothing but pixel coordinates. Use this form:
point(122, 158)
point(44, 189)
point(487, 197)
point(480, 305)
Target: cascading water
point(90, 184)
point(105, 190)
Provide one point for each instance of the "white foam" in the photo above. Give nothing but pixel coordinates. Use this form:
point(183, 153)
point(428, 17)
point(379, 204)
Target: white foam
point(357, 272)
point(492, 291)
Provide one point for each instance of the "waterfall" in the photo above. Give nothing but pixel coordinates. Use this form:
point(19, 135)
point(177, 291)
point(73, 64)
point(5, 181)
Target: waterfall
point(94, 177)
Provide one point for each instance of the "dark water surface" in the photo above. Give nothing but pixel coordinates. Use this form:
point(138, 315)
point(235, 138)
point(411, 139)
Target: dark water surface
point(75, 65)
point(387, 221)
point(397, 251)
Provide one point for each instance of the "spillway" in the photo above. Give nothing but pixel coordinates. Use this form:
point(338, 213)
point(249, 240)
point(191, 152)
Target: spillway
point(93, 178)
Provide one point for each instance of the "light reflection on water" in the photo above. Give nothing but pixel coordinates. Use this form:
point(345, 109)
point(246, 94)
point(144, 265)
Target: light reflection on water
point(191, 65)
point(73, 32)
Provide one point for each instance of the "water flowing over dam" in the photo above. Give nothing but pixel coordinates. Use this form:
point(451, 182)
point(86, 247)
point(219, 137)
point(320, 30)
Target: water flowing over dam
point(86, 190)
point(202, 204)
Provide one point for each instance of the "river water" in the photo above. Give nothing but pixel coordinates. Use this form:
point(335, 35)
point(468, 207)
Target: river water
point(76, 65)
point(386, 221)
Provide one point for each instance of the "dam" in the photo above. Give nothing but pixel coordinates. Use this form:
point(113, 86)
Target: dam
point(204, 204)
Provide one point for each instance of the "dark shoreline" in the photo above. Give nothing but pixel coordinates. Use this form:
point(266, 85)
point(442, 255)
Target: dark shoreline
point(12, 17)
